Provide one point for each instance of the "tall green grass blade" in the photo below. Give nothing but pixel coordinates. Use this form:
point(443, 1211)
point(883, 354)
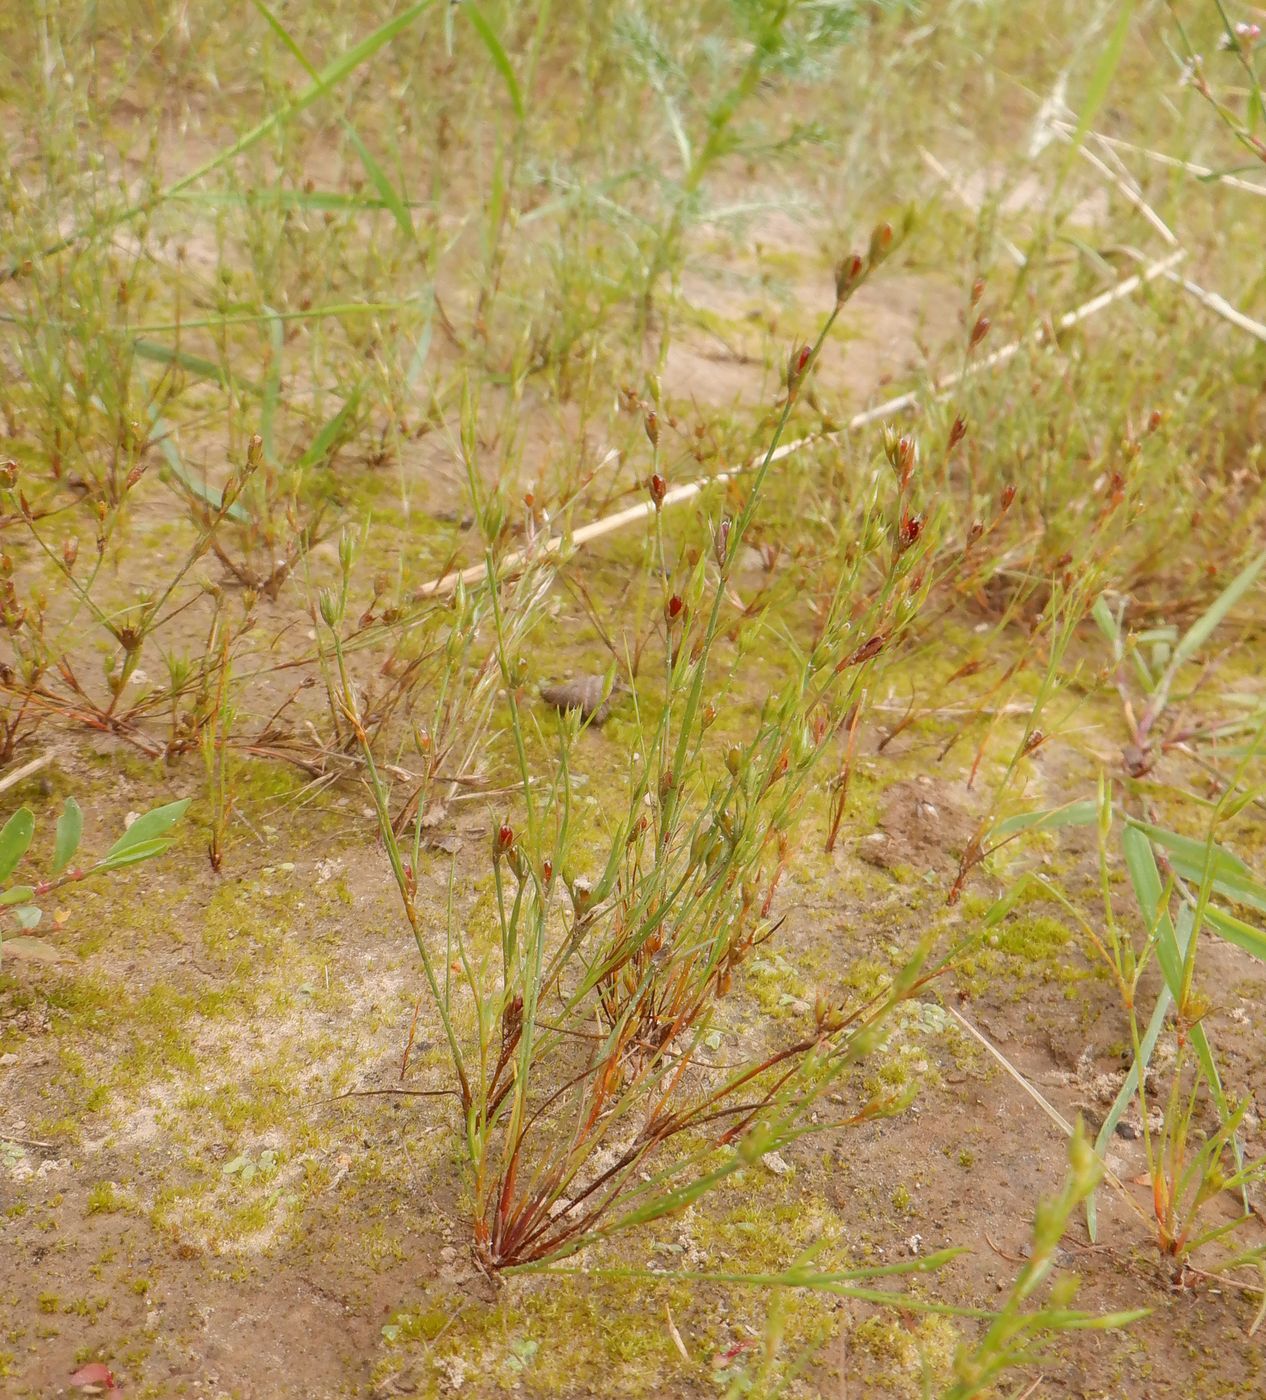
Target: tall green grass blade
point(496, 51)
point(387, 192)
point(272, 386)
point(173, 464)
point(1207, 623)
point(1100, 82)
point(181, 359)
point(1081, 813)
point(332, 434)
point(1130, 1087)
point(326, 80)
point(1140, 861)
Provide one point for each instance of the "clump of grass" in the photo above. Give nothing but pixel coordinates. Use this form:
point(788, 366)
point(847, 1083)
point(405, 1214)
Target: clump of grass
point(594, 996)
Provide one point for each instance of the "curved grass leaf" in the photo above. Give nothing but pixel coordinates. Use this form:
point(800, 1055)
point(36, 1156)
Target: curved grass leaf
point(497, 53)
point(1070, 814)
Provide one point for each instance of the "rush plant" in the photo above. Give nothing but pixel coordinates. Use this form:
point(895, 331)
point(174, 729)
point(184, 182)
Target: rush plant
point(577, 1021)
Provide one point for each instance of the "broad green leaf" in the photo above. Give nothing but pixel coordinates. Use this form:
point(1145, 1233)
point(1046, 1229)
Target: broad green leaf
point(1190, 852)
point(32, 949)
point(70, 828)
point(28, 916)
point(133, 855)
point(1189, 858)
point(145, 829)
point(19, 894)
point(14, 839)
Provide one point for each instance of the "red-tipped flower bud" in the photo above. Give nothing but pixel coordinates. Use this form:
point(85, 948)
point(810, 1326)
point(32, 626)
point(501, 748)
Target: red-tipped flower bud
point(849, 275)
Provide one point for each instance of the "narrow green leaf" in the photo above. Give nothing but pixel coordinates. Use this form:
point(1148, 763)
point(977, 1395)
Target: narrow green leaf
point(173, 464)
point(147, 828)
point(1140, 861)
point(192, 364)
point(498, 55)
point(330, 76)
point(390, 196)
point(70, 829)
point(1104, 620)
point(332, 434)
point(1203, 628)
point(1147, 1045)
point(1082, 813)
point(377, 175)
point(272, 385)
point(1190, 852)
point(1243, 935)
point(1100, 82)
point(14, 839)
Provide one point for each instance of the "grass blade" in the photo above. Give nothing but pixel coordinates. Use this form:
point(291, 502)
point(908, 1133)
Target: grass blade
point(497, 53)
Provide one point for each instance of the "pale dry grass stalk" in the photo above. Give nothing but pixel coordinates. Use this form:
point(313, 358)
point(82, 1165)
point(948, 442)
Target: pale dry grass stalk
point(1201, 172)
point(676, 495)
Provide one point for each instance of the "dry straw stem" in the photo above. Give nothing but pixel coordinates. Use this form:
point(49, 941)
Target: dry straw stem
point(1212, 301)
point(27, 770)
point(1043, 1103)
point(535, 552)
point(1201, 172)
